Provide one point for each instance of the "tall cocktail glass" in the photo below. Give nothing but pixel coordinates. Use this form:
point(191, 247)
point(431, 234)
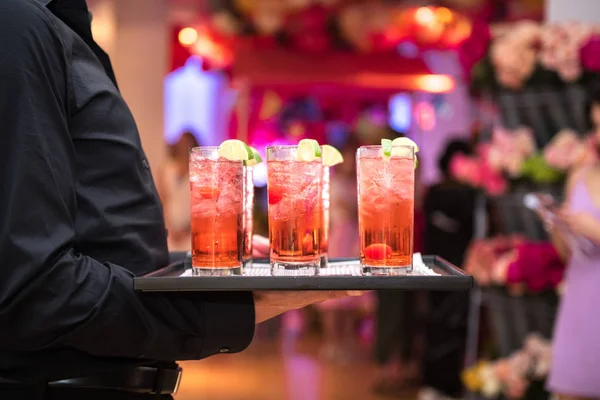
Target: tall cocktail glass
point(217, 212)
point(326, 198)
point(295, 211)
point(248, 215)
point(386, 188)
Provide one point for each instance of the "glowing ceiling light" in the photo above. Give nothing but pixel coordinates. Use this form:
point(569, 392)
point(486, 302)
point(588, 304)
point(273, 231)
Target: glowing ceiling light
point(188, 36)
point(435, 83)
point(425, 16)
point(443, 15)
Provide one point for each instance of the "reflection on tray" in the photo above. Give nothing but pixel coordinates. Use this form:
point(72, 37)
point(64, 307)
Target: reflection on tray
point(335, 268)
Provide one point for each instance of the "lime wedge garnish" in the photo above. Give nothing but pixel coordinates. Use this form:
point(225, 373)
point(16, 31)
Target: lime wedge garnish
point(235, 150)
point(404, 141)
point(256, 158)
point(399, 148)
point(386, 147)
point(331, 156)
point(308, 150)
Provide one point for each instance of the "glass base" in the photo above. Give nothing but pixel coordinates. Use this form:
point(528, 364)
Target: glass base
point(386, 270)
point(279, 268)
point(247, 263)
point(324, 261)
point(201, 271)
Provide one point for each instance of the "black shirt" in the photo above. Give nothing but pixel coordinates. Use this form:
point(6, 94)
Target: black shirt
point(80, 216)
point(449, 209)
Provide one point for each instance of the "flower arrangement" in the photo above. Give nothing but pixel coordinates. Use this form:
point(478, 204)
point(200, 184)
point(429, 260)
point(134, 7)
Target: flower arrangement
point(515, 262)
point(568, 149)
point(509, 156)
point(484, 254)
point(514, 376)
point(529, 51)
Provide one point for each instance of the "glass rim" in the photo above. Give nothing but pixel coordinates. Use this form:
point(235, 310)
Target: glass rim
point(212, 154)
point(199, 148)
point(282, 147)
point(376, 150)
point(378, 146)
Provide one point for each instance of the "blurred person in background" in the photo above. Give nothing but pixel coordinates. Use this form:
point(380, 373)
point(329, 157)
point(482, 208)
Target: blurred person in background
point(449, 228)
point(575, 349)
point(173, 186)
point(397, 324)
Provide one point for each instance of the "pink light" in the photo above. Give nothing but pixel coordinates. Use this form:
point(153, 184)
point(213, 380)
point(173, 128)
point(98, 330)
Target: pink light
point(425, 116)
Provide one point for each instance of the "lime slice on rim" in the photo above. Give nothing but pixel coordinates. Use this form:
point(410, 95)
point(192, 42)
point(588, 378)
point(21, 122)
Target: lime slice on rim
point(331, 156)
point(308, 150)
point(404, 141)
point(235, 150)
point(386, 147)
point(255, 160)
point(399, 148)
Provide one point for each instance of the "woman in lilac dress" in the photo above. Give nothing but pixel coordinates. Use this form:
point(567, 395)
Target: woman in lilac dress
point(575, 372)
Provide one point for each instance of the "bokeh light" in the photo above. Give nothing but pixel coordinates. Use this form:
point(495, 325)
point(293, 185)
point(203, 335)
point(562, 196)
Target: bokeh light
point(188, 36)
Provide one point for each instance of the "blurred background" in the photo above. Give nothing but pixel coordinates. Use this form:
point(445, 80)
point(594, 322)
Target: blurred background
point(494, 92)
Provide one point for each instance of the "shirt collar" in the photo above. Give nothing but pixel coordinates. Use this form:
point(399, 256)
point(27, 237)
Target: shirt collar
point(44, 2)
point(74, 13)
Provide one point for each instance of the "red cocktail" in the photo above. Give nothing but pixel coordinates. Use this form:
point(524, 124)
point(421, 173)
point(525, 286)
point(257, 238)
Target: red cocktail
point(217, 212)
point(386, 186)
point(295, 211)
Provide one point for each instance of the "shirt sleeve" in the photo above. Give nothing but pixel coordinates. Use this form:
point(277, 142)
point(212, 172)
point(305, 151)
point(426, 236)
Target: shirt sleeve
point(51, 296)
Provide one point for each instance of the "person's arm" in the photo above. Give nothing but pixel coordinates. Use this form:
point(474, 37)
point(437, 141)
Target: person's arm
point(560, 244)
point(51, 296)
point(585, 224)
point(556, 232)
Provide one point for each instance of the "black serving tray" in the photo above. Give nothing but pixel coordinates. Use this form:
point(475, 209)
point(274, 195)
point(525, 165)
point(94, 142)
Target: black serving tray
point(340, 274)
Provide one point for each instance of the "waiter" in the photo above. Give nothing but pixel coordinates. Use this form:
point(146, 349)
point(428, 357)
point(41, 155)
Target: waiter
point(79, 217)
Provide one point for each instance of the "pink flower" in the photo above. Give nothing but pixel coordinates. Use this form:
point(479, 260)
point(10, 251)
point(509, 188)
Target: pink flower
point(508, 150)
point(514, 62)
point(535, 344)
point(513, 164)
point(537, 265)
point(524, 141)
point(565, 150)
point(541, 351)
point(494, 158)
point(528, 32)
point(491, 168)
point(466, 169)
point(503, 139)
point(520, 363)
point(591, 150)
point(570, 71)
point(590, 54)
point(514, 56)
point(516, 388)
point(560, 47)
point(503, 370)
point(495, 185)
point(500, 267)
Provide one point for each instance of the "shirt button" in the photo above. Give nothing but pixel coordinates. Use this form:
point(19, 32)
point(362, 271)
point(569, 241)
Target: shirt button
point(224, 350)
